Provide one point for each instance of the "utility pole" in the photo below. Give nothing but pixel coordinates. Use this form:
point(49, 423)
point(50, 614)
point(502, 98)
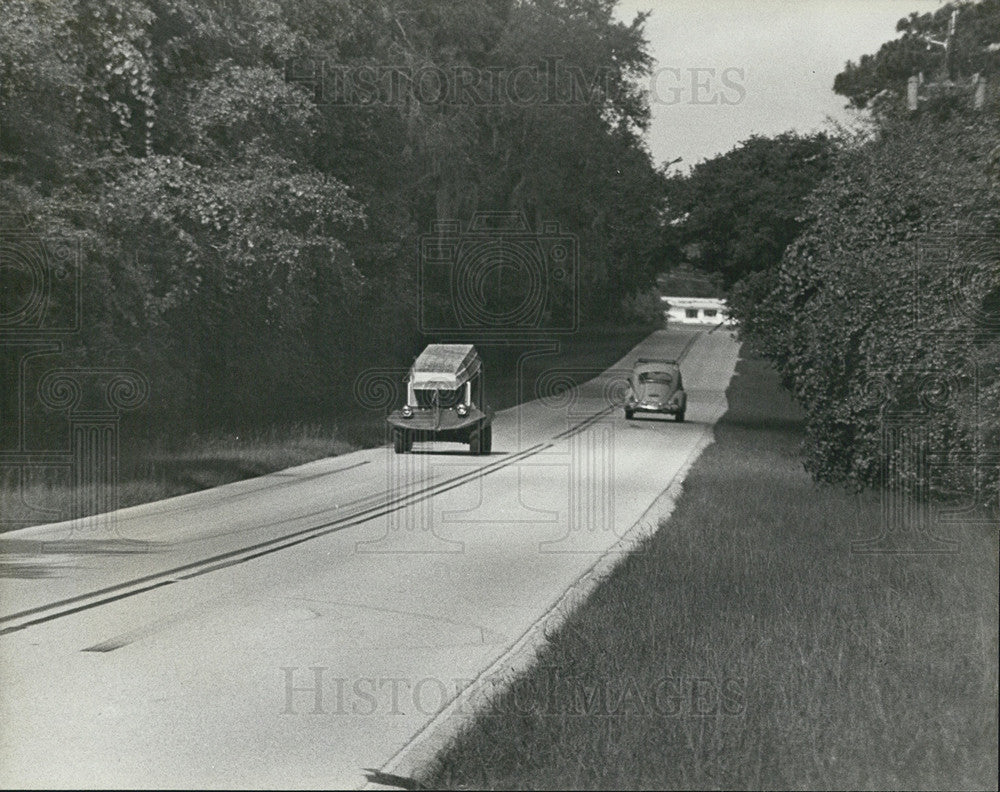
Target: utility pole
point(947, 44)
point(949, 49)
point(946, 77)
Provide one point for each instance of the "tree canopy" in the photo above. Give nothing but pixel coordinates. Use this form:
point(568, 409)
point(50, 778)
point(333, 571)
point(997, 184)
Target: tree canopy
point(974, 49)
point(244, 220)
point(736, 213)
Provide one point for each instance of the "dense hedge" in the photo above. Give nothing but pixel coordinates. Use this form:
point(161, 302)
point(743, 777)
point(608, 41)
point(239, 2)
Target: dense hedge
point(885, 312)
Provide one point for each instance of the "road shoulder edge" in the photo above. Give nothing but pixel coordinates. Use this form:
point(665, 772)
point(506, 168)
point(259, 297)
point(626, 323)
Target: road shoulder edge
point(407, 763)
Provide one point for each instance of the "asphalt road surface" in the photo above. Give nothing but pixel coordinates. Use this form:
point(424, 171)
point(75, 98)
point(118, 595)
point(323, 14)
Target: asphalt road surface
point(292, 630)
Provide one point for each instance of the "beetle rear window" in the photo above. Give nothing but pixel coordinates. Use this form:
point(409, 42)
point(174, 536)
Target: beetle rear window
point(661, 377)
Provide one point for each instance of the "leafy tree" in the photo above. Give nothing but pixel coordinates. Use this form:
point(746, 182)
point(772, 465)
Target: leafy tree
point(886, 72)
point(685, 280)
point(252, 245)
point(738, 212)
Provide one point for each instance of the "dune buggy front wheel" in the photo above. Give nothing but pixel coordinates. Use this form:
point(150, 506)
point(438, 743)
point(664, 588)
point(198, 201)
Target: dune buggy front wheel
point(481, 440)
point(402, 441)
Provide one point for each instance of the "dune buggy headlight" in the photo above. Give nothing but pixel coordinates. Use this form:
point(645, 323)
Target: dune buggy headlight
point(462, 409)
point(407, 411)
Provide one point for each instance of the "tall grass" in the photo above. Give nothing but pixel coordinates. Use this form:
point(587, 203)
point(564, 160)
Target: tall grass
point(745, 646)
point(168, 467)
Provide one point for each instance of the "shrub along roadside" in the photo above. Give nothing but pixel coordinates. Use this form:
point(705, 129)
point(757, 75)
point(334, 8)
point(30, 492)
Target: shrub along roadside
point(889, 303)
point(745, 646)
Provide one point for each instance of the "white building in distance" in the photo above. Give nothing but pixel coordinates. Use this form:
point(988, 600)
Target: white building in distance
point(695, 310)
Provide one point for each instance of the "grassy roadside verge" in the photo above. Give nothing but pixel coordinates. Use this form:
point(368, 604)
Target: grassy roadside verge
point(164, 467)
point(744, 646)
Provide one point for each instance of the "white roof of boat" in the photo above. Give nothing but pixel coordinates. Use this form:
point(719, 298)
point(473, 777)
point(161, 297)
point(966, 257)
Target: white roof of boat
point(446, 366)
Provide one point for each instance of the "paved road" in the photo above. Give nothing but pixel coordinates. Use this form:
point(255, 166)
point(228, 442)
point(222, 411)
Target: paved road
point(291, 630)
